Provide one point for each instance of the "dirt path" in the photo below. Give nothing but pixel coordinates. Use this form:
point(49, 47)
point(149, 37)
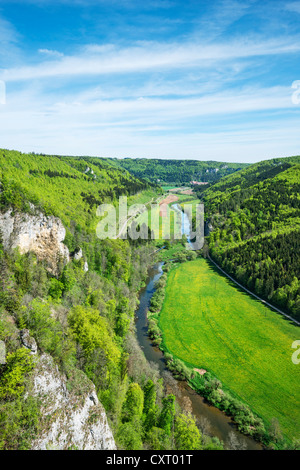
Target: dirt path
point(165, 202)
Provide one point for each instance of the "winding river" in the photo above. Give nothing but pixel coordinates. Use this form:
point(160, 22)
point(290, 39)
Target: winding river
point(217, 423)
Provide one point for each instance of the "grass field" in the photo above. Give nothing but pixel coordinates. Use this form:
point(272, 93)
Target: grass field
point(209, 323)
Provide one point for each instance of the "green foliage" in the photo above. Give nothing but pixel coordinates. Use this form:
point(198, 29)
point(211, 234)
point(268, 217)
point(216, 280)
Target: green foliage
point(47, 331)
point(92, 332)
point(84, 319)
point(256, 218)
point(174, 171)
point(167, 414)
point(134, 402)
point(129, 435)
point(19, 423)
point(187, 435)
point(68, 187)
point(56, 288)
point(13, 374)
point(149, 396)
point(157, 439)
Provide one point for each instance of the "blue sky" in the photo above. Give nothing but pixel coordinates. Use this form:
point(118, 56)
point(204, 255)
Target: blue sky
point(209, 80)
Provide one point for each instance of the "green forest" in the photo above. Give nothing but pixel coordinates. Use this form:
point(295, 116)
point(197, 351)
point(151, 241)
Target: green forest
point(253, 219)
point(179, 172)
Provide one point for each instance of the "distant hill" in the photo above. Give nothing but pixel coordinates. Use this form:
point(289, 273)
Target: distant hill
point(165, 171)
point(254, 218)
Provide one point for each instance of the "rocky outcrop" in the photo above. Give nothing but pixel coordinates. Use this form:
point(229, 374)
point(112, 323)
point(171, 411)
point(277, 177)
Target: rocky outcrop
point(72, 416)
point(78, 255)
point(2, 352)
point(28, 341)
point(38, 233)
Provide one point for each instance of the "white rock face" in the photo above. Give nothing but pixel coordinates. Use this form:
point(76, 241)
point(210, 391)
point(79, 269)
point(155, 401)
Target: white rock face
point(28, 341)
point(78, 254)
point(70, 420)
point(38, 233)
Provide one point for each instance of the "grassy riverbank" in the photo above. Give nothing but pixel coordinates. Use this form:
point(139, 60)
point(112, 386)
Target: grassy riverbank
point(211, 324)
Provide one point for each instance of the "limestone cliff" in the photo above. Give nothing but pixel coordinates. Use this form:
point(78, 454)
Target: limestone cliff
point(72, 416)
point(38, 233)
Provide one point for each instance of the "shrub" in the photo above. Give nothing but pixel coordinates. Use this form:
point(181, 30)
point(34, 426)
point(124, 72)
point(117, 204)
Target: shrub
point(12, 379)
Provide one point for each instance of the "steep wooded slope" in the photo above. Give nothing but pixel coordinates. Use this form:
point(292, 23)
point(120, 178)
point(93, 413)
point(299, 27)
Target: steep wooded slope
point(255, 217)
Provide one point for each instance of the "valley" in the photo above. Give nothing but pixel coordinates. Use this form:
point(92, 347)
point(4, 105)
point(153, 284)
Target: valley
point(224, 345)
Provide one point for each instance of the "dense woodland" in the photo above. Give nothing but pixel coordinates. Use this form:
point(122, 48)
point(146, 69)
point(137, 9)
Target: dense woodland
point(254, 219)
point(177, 171)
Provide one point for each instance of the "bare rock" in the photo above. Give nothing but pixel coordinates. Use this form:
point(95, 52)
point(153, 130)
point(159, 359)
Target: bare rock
point(38, 233)
point(28, 341)
point(72, 417)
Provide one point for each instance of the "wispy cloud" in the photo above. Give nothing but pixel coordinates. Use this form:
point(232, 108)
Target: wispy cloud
point(50, 53)
point(145, 56)
point(293, 6)
point(9, 39)
point(215, 90)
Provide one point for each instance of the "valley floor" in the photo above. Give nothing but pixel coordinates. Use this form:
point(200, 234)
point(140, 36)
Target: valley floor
point(210, 323)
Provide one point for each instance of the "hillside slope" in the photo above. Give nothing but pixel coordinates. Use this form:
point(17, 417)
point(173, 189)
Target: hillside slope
point(254, 219)
point(177, 171)
point(68, 187)
point(97, 391)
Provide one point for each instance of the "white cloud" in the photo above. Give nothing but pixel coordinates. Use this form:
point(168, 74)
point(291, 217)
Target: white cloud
point(50, 53)
point(9, 38)
point(154, 98)
point(293, 6)
point(142, 57)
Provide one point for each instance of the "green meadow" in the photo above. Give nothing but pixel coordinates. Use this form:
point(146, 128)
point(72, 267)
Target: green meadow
point(210, 323)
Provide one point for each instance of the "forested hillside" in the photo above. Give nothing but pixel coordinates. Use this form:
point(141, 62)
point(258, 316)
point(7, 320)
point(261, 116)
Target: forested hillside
point(254, 216)
point(83, 316)
point(177, 171)
point(69, 187)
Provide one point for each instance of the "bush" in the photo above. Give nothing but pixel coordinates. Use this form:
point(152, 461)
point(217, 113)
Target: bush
point(12, 379)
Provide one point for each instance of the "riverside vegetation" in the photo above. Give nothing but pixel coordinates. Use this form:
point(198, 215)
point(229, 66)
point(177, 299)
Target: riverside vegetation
point(239, 344)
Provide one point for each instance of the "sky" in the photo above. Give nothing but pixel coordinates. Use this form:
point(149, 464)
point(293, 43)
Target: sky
point(182, 79)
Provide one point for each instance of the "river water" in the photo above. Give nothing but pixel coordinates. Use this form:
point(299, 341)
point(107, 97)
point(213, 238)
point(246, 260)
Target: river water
point(217, 423)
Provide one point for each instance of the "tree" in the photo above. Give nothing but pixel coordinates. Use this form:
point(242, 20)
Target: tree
point(187, 435)
point(275, 431)
point(92, 332)
point(149, 396)
point(129, 436)
point(167, 414)
point(150, 409)
point(134, 402)
point(12, 379)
